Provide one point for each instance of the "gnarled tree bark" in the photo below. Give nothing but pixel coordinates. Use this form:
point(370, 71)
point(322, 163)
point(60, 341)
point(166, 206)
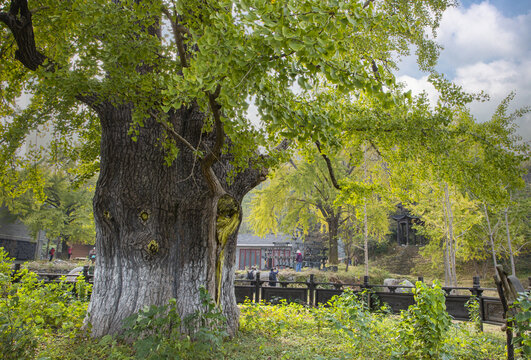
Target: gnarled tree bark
point(156, 224)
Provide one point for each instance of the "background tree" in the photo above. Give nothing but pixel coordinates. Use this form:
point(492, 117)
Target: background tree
point(366, 193)
point(300, 196)
point(505, 181)
point(447, 219)
point(506, 227)
point(155, 93)
point(63, 211)
point(353, 232)
point(476, 162)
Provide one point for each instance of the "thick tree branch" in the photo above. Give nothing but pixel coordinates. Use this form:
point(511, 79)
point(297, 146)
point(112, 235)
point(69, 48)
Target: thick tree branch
point(52, 203)
point(374, 68)
point(376, 149)
point(326, 212)
point(92, 100)
point(178, 31)
point(284, 145)
point(329, 166)
point(18, 20)
point(215, 153)
point(341, 222)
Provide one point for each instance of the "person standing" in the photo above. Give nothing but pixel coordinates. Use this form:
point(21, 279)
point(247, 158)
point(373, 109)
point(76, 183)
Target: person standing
point(51, 253)
point(69, 252)
point(298, 261)
point(92, 255)
point(273, 276)
point(251, 275)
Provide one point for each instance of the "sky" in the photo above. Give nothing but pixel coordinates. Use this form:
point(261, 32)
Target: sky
point(487, 46)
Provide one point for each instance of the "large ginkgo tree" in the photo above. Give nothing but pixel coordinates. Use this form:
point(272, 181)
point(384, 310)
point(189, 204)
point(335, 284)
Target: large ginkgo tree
point(154, 95)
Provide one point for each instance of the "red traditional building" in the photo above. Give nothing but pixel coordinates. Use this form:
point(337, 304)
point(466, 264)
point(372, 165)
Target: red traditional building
point(265, 253)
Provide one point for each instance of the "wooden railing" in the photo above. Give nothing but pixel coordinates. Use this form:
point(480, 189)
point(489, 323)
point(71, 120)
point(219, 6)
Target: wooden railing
point(52, 276)
point(397, 297)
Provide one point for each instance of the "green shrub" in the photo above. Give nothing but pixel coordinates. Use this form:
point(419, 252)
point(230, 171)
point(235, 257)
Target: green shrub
point(31, 311)
point(474, 313)
point(522, 325)
point(273, 320)
point(366, 326)
point(156, 332)
point(346, 322)
point(425, 325)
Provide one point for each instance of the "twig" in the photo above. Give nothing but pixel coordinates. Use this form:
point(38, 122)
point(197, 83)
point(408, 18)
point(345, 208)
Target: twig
point(177, 136)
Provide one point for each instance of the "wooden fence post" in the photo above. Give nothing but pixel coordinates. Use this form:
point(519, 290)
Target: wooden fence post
point(478, 292)
point(311, 290)
point(508, 324)
point(85, 272)
point(257, 287)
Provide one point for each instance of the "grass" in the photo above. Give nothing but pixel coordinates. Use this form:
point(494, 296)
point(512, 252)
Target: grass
point(295, 332)
point(290, 331)
point(295, 345)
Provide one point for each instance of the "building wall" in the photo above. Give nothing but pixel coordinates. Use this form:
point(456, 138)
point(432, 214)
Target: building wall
point(246, 257)
point(11, 228)
point(263, 257)
point(15, 238)
point(19, 249)
point(81, 250)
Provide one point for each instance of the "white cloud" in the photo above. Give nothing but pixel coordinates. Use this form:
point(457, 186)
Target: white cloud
point(497, 77)
point(24, 100)
point(479, 33)
point(484, 50)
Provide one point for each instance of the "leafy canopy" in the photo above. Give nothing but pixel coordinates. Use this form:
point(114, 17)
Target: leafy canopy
point(161, 56)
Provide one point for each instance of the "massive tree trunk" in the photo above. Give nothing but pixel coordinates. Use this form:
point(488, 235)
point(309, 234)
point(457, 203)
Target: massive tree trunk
point(156, 224)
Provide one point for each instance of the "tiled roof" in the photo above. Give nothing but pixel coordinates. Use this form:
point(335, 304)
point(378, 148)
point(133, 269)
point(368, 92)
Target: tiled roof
point(268, 240)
